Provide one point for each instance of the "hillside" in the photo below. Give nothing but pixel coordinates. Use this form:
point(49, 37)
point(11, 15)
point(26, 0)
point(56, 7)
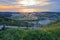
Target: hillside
point(54, 24)
point(48, 33)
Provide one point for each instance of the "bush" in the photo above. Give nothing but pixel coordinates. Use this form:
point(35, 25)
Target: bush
point(39, 35)
point(12, 34)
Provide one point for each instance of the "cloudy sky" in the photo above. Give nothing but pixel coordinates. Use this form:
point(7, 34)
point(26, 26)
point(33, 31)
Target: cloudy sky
point(29, 5)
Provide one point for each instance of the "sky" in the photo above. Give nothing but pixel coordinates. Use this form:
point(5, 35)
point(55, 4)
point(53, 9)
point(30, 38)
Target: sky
point(29, 5)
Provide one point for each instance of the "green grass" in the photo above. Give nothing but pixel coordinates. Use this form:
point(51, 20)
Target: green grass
point(49, 32)
point(36, 34)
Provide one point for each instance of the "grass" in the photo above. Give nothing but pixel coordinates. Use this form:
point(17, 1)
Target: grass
point(49, 32)
point(36, 34)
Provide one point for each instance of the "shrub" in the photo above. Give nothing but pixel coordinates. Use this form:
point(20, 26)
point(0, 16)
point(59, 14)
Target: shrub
point(19, 34)
point(12, 34)
point(39, 35)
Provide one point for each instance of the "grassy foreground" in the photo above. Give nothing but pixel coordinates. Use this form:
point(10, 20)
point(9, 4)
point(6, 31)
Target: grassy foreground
point(37, 34)
point(50, 32)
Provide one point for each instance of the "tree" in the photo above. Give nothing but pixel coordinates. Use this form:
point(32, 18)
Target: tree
point(4, 15)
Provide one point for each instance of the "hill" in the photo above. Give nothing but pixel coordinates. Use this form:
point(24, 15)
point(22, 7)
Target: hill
point(32, 15)
point(50, 32)
point(55, 23)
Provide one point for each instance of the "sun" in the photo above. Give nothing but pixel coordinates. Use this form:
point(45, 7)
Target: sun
point(27, 2)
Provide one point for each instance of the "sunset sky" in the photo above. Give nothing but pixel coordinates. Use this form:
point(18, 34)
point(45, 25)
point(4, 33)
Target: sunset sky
point(29, 5)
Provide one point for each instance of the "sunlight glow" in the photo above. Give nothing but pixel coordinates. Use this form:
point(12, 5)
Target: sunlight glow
point(27, 2)
point(27, 10)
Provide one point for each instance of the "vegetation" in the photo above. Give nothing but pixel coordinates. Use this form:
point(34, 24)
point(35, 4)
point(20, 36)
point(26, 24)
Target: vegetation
point(54, 24)
point(49, 32)
point(11, 22)
point(37, 34)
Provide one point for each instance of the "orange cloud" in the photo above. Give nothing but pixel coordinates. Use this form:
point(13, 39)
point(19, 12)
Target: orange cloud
point(32, 10)
point(26, 10)
point(9, 7)
point(20, 8)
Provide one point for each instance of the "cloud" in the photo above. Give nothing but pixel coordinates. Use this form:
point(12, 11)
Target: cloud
point(44, 2)
point(42, 5)
point(8, 10)
point(7, 7)
point(8, 2)
point(38, 2)
point(32, 10)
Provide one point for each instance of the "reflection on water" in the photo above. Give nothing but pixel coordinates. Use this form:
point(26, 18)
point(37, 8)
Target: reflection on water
point(44, 22)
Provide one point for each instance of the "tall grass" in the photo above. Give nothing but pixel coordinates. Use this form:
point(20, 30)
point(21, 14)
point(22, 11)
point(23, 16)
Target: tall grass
point(37, 34)
point(49, 32)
